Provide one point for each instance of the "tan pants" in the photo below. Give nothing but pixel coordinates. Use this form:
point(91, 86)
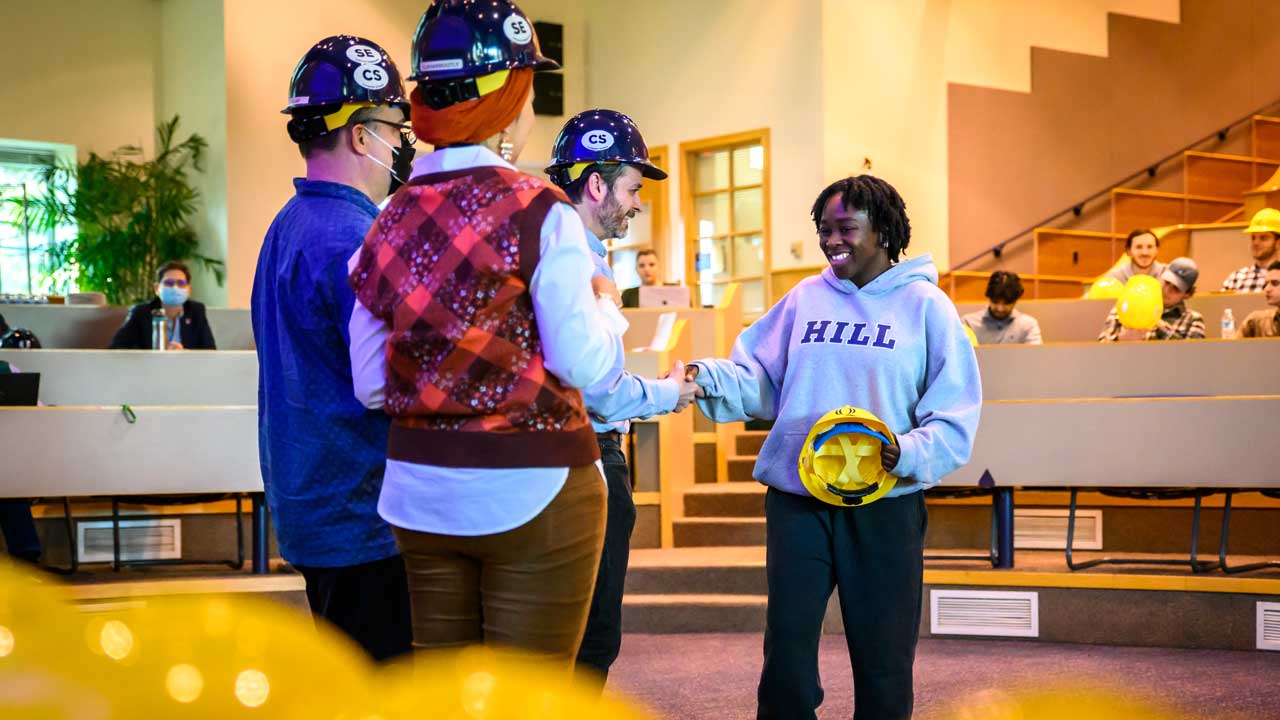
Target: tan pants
point(528, 588)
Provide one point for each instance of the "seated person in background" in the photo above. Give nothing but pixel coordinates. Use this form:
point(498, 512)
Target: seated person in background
point(16, 523)
point(186, 325)
point(1141, 246)
point(1266, 323)
point(1262, 230)
point(1178, 282)
point(647, 269)
point(1000, 323)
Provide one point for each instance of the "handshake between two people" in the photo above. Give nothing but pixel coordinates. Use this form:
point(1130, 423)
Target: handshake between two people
point(685, 376)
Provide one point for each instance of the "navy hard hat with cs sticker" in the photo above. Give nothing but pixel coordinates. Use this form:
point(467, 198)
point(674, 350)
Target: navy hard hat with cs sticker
point(337, 76)
point(599, 136)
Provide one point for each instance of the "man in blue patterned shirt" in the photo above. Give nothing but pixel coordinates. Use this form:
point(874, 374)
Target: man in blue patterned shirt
point(322, 453)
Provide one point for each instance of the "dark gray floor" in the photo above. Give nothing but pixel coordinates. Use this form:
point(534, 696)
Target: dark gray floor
point(714, 676)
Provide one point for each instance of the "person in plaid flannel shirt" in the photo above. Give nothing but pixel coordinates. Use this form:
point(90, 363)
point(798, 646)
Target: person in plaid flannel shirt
point(1266, 323)
point(1263, 231)
point(1178, 322)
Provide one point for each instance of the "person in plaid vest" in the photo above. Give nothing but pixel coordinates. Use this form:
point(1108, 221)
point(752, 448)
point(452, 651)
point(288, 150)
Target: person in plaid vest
point(474, 328)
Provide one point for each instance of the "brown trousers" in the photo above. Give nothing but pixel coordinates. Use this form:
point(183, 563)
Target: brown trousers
point(528, 588)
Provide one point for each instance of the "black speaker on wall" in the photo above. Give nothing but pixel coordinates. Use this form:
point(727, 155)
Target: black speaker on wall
point(551, 40)
point(548, 87)
point(548, 94)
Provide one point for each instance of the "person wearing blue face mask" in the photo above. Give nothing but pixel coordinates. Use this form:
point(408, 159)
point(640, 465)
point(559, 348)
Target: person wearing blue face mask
point(186, 323)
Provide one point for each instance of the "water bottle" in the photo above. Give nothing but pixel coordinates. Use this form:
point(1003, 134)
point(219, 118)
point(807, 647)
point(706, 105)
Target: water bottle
point(1228, 325)
point(158, 330)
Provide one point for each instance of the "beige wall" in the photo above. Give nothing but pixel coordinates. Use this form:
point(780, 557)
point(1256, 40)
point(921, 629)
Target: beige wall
point(191, 83)
point(261, 161)
point(886, 67)
point(80, 72)
point(692, 70)
point(836, 81)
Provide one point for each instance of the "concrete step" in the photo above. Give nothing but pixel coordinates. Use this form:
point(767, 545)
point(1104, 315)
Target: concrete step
point(670, 614)
point(718, 531)
point(740, 468)
point(748, 442)
point(725, 500)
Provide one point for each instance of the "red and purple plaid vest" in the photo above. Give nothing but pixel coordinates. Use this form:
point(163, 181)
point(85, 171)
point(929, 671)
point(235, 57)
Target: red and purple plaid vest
point(447, 265)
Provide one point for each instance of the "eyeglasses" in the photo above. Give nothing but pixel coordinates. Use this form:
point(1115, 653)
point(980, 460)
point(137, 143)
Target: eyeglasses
point(406, 130)
point(170, 282)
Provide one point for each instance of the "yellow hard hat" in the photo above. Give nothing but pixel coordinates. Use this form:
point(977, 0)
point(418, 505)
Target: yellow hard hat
point(1105, 287)
point(1265, 220)
point(840, 460)
point(1141, 304)
point(969, 331)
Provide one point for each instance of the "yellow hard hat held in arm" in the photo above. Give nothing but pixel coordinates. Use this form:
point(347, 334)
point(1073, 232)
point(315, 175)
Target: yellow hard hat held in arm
point(840, 461)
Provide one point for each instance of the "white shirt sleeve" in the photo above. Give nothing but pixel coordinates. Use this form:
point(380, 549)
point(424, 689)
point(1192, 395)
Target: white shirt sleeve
point(368, 351)
point(576, 343)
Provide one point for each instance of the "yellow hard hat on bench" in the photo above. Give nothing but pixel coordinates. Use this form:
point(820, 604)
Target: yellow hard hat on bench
point(840, 460)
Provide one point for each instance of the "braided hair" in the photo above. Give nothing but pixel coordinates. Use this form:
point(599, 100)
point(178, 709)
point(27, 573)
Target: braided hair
point(879, 200)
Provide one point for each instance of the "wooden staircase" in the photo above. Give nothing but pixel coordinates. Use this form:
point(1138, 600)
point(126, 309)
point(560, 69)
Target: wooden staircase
point(1065, 261)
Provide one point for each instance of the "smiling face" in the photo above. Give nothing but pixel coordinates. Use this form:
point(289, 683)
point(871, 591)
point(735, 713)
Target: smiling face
point(851, 245)
point(1262, 245)
point(620, 203)
point(1143, 250)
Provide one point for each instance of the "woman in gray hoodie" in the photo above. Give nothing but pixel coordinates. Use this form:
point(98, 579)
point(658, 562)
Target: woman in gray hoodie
point(877, 333)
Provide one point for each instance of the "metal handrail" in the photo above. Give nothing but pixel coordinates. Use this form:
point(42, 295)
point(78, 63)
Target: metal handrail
point(1150, 170)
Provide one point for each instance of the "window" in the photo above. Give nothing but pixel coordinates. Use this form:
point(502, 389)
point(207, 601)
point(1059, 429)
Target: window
point(24, 263)
point(647, 230)
point(726, 216)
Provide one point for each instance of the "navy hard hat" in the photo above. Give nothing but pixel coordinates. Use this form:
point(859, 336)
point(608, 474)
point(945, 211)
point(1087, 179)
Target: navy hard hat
point(20, 339)
point(337, 71)
point(599, 136)
point(458, 40)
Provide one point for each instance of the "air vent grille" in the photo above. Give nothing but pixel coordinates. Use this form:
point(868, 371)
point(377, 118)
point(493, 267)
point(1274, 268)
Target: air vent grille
point(984, 612)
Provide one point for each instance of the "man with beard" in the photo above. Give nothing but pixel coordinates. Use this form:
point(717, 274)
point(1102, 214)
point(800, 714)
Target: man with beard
point(600, 160)
point(1000, 323)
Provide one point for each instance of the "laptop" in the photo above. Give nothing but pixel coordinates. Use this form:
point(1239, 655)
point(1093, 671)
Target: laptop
point(19, 389)
point(658, 296)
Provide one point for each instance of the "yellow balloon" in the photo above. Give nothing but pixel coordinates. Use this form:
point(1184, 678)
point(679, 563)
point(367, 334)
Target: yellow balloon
point(1141, 304)
point(487, 683)
point(840, 461)
point(48, 668)
point(233, 656)
point(1105, 287)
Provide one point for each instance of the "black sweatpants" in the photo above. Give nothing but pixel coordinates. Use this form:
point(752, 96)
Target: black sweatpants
point(368, 602)
point(603, 638)
point(875, 556)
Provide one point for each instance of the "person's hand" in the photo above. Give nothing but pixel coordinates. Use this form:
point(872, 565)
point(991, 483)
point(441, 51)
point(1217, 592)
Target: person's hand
point(889, 456)
point(174, 345)
point(1131, 334)
point(691, 375)
point(604, 287)
point(688, 388)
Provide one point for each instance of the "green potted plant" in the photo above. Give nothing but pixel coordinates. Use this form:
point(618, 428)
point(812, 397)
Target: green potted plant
point(130, 214)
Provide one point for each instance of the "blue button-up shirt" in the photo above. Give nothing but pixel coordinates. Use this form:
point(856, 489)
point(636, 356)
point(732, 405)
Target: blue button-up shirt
point(626, 397)
point(322, 452)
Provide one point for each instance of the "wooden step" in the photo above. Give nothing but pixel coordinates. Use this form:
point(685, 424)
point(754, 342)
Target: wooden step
point(683, 613)
point(1222, 175)
point(1265, 140)
point(1075, 252)
point(741, 467)
point(749, 442)
point(718, 532)
point(737, 499)
point(971, 286)
point(1132, 209)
